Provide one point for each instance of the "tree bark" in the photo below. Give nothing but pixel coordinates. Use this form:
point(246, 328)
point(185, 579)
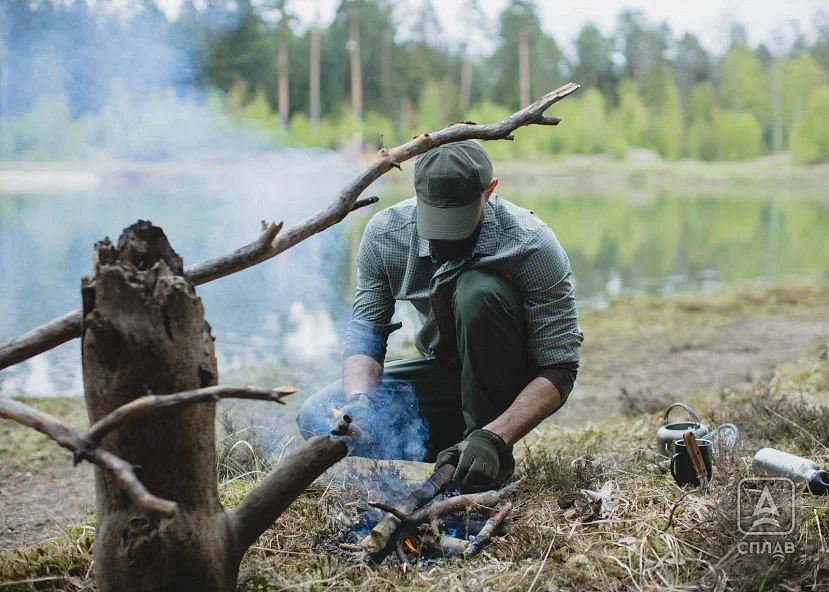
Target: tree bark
point(385, 66)
point(356, 80)
point(143, 330)
point(524, 66)
point(466, 82)
point(315, 78)
point(284, 108)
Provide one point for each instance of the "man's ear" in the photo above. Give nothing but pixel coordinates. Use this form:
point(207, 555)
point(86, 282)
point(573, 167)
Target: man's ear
point(490, 188)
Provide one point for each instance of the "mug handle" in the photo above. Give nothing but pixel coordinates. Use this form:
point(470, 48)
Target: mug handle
point(684, 406)
point(673, 465)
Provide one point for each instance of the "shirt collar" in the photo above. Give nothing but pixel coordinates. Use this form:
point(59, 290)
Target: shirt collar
point(488, 241)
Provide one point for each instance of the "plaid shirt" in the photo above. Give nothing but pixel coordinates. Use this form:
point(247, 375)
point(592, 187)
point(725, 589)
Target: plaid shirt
point(394, 263)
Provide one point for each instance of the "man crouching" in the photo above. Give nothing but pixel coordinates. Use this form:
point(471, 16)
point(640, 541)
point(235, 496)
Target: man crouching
point(499, 345)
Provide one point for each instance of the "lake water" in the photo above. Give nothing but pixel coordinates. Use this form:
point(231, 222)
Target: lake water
point(283, 321)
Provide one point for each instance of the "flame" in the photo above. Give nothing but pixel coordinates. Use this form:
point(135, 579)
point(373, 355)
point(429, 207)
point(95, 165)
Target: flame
point(411, 546)
point(336, 412)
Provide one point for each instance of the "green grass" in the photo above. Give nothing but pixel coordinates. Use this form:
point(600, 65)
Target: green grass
point(23, 447)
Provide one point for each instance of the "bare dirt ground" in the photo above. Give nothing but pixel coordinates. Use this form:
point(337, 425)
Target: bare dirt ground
point(633, 376)
point(41, 493)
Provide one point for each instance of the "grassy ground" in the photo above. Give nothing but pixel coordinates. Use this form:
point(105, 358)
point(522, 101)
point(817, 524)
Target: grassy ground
point(632, 547)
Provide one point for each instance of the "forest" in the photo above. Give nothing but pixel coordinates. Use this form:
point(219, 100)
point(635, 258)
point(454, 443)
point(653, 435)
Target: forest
point(249, 74)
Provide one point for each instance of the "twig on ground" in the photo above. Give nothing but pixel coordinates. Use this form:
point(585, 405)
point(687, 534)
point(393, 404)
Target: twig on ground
point(479, 540)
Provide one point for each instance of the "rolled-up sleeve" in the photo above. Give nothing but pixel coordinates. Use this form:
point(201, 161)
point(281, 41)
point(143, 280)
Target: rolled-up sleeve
point(544, 276)
point(370, 325)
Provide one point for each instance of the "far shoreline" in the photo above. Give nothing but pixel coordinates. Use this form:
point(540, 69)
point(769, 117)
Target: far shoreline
point(641, 171)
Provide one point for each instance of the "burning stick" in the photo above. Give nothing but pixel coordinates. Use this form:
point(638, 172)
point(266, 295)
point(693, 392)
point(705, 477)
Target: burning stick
point(380, 535)
point(346, 427)
point(343, 425)
point(479, 540)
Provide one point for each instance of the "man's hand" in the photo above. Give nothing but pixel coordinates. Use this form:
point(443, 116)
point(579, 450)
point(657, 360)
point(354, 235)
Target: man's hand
point(478, 460)
point(359, 408)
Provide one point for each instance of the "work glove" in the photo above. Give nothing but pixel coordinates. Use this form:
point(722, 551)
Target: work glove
point(477, 460)
point(359, 407)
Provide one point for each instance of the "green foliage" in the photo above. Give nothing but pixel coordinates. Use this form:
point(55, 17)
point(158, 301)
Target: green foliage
point(48, 131)
point(810, 140)
point(546, 58)
point(745, 85)
point(668, 96)
point(702, 140)
point(433, 110)
point(303, 134)
point(666, 133)
point(486, 112)
point(257, 114)
point(738, 134)
point(701, 102)
point(801, 76)
point(631, 118)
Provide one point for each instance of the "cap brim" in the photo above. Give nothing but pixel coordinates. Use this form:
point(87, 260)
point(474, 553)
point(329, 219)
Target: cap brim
point(435, 223)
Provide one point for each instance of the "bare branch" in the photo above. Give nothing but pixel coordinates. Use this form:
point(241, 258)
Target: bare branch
point(390, 510)
point(549, 121)
point(271, 243)
point(361, 203)
point(41, 339)
point(479, 540)
point(262, 506)
point(460, 503)
point(84, 448)
point(152, 403)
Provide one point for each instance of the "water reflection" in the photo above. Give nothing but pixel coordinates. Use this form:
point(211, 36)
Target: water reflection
point(289, 314)
point(285, 314)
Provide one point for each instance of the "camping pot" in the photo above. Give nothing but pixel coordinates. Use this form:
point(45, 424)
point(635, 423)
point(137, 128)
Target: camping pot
point(669, 432)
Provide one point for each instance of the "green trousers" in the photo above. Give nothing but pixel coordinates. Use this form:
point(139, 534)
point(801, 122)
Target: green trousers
point(456, 396)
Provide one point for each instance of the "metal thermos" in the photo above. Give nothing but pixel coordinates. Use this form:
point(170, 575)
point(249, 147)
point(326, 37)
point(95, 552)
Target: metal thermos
point(777, 463)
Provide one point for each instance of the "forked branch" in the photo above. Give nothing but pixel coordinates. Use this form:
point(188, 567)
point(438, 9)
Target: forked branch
point(85, 445)
point(152, 403)
point(273, 240)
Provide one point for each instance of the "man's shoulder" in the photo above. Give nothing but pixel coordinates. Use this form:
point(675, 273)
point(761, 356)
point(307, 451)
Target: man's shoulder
point(515, 221)
point(392, 219)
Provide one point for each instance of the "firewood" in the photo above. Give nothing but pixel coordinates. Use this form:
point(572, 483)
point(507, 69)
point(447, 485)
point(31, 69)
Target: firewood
point(479, 540)
point(381, 534)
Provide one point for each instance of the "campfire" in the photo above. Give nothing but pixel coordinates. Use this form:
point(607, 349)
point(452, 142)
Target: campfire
point(429, 523)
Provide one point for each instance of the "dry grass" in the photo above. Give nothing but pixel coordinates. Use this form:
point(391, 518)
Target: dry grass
point(630, 548)
point(652, 317)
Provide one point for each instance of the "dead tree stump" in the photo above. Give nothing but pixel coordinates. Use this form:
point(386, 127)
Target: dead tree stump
point(143, 330)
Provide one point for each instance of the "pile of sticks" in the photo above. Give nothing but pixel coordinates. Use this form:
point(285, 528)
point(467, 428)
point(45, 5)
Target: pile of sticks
point(416, 522)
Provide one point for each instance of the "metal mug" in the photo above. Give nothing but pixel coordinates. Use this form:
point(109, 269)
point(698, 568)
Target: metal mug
point(670, 432)
point(682, 469)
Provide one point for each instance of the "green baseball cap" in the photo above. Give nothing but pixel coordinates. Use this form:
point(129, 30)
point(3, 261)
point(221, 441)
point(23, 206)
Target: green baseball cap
point(449, 181)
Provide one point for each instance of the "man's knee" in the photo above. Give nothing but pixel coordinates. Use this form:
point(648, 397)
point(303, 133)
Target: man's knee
point(480, 294)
